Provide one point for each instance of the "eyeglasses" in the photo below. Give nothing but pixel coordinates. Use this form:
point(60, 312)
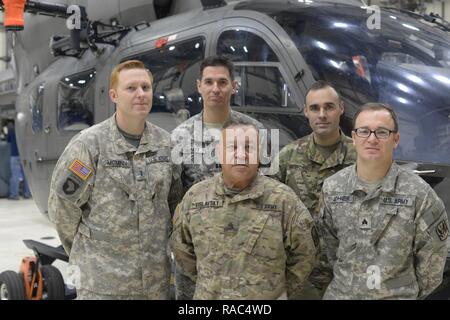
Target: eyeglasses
point(380, 133)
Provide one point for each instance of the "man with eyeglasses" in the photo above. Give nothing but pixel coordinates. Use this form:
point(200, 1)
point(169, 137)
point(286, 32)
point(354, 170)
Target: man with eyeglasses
point(305, 163)
point(385, 229)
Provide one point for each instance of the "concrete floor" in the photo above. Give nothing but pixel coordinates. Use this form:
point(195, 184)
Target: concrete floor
point(21, 220)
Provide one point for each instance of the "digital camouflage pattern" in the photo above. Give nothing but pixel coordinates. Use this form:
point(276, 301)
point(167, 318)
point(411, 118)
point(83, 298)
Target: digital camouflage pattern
point(110, 205)
point(303, 168)
point(258, 244)
point(200, 142)
point(390, 243)
point(89, 295)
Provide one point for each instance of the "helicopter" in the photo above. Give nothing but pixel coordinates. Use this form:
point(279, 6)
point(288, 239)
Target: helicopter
point(279, 49)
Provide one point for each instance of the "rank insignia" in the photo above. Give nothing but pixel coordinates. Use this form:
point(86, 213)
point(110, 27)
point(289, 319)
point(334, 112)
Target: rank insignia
point(365, 223)
point(80, 169)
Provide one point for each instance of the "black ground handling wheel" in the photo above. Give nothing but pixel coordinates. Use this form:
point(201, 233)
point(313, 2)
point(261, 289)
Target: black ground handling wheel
point(54, 288)
point(11, 286)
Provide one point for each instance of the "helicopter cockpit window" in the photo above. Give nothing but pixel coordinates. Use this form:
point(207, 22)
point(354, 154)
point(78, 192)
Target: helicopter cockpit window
point(257, 70)
point(76, 101)
point(175, 68)
point(405, 64)
point(36, 107)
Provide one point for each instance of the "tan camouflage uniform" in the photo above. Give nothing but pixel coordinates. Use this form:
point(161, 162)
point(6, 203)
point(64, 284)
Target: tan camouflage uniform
point(258, 244)
point(113, 215)
point(303, 168)
point(386, 244)
point(199, 143)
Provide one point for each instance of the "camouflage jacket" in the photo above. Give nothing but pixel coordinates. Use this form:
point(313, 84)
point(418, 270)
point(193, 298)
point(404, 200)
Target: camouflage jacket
point(303, 168)
point(194, 147)
point(110, 205)
point(386, 244)
point(259, 244)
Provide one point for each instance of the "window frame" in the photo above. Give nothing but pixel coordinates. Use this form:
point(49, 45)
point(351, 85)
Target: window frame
point(92, 86)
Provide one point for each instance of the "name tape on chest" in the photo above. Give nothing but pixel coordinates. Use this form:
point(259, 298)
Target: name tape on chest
point(207, 204)
point(80, 169)
point(341, 199)
point(116, 163)
point(397, 201)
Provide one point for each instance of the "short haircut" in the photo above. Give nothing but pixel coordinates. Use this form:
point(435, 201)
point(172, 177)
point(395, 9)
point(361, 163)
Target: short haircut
point(217, 61)
point(239, 123)
point(321, 84)
point(126, 65)
point(375, 106)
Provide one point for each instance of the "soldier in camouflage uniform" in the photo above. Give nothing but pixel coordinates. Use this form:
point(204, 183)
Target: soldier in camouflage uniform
point(110, 196)
point(195, 139)
point(241, 235)
point(385, 228)
point(305, 163)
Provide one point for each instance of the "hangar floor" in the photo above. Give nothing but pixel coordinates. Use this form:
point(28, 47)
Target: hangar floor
point(21, 220)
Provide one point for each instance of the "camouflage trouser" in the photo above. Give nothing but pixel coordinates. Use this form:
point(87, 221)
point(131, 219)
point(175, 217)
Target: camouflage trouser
point(309, 292)
point(319, 279)
point(83, 294)
point(184, 286)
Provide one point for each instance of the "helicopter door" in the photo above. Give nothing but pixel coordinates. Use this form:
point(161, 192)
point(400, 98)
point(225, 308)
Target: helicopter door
point(74, 111)
point(267, 89)
point(33, 117)
point(36, 140)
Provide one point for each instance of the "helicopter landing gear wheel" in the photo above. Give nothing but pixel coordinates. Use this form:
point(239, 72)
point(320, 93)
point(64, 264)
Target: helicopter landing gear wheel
point(54, 288)
point(11, 286)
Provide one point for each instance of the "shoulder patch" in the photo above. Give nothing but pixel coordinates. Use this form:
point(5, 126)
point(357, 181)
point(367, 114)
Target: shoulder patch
point(70, 186)
point(442, 230)
point(80, 169)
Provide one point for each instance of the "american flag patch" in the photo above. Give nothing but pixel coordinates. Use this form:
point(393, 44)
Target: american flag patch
point(80, 169)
